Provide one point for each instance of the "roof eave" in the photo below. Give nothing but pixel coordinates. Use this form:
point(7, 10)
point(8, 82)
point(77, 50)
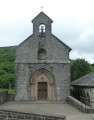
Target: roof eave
point(62, 42)
point(88, 86)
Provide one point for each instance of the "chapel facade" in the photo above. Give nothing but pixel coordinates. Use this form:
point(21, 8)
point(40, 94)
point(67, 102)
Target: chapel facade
point(42, 64)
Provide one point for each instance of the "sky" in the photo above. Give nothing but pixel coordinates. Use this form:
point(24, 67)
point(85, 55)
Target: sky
point(73, 23)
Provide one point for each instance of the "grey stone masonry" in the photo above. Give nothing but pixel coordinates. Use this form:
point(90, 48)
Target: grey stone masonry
point(42, 50)
point(3, 96)
point(81, 106)
point(15, 115)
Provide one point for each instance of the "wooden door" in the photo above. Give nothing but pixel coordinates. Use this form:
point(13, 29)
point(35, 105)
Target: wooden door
point(42, 90)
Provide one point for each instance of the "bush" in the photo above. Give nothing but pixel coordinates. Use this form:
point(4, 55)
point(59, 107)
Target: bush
point(79, 68)
point(6, 79)
point(2, 72)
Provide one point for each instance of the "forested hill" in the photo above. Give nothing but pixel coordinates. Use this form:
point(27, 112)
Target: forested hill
point(7, 58)
point(7, 54)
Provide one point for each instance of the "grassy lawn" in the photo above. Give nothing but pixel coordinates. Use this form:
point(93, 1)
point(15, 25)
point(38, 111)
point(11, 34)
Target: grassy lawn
point(92, 68)
point(9, 90)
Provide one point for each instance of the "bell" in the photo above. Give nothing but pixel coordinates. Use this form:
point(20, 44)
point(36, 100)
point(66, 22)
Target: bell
point(42, 29)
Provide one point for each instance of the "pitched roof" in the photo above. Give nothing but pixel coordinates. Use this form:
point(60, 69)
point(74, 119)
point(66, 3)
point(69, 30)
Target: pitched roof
point(42, 13)
point(23, 42)
point(87, 80)
point(61, 42)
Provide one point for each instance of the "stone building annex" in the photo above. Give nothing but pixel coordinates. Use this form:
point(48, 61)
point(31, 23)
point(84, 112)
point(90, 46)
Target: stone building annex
point(84, 87)
point(42, 65)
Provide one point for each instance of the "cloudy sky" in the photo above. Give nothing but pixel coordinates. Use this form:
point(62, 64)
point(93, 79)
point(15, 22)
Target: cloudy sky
point(73, 23)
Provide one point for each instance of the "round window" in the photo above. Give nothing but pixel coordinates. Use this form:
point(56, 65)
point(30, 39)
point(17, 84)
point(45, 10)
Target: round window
point(41, 54)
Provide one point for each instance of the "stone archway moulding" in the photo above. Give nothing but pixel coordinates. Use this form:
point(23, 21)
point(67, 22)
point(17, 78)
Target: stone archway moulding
point(42, 71)
point(36, 77)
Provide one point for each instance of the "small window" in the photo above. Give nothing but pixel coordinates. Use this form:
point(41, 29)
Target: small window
point(42, 28)
point(41, 54)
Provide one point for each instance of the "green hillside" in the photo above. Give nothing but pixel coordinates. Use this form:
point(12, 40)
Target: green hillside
point(7, 58)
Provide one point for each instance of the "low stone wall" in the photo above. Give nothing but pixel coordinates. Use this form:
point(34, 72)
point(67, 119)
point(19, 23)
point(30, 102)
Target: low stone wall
point(76, 103)
point(3, 96)
point(14, 115)
point(10, 98)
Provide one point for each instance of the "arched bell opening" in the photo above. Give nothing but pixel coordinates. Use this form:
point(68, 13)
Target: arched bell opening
point(42, 28)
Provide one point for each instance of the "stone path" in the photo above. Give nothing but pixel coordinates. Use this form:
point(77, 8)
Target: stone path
point(47, 108)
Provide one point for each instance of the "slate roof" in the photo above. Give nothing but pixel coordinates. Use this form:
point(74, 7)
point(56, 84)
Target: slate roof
point(87, 80)
point(61, 42)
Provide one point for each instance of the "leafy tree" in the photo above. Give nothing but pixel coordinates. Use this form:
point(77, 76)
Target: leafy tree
point(7, 54)
point(6, 79)
point(8, 67)
point(2, 72)
point(79, 68)
point(7, 58)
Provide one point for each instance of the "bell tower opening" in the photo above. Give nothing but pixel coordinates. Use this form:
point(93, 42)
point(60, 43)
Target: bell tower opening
point(42, 24)
point(42, 28)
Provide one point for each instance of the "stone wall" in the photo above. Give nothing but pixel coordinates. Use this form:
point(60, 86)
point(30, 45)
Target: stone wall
point(14, 115)
point(24, 72)
point(10, 97)
point(85, 92)
point(3, 96)
point(76, 103)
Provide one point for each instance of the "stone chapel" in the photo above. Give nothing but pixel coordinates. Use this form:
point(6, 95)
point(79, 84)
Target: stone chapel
point(42, 64)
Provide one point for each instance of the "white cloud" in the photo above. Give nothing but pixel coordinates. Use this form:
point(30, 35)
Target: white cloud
point(88, 57)
point(73, 23)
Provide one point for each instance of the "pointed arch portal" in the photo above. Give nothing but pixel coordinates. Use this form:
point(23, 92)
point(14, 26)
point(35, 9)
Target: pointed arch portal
point(42, 85)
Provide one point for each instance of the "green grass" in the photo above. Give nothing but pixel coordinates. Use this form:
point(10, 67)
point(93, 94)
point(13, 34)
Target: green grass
point(92, 68)
point(9, 90)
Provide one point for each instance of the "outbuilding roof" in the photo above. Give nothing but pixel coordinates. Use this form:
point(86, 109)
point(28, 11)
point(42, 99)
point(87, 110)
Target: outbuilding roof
point(87, 80)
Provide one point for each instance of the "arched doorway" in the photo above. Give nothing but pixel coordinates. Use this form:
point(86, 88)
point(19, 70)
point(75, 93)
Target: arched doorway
point(42, 85)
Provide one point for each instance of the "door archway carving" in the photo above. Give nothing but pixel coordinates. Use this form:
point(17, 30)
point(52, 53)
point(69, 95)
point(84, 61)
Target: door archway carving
point(40, 77)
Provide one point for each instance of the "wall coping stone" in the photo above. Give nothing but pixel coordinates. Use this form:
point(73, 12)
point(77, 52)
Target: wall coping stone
point(12, 113)
point(76, 103)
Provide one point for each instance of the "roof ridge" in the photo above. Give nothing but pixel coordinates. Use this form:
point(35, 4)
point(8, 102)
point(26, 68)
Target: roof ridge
point(44, 14)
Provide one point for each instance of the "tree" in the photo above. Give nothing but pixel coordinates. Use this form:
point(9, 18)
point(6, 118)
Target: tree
point(2, 72)
point(7, 58)
point(79, 68)
point(7, 54)
point(8, 67)
point(6, 79)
